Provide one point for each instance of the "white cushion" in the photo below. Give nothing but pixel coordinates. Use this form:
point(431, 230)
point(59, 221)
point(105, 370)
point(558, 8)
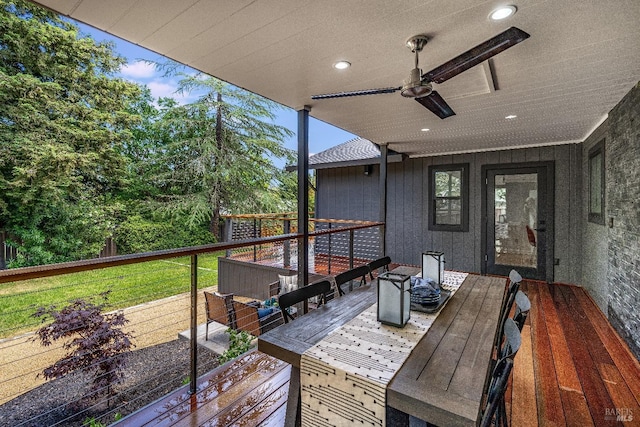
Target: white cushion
point(288, 284)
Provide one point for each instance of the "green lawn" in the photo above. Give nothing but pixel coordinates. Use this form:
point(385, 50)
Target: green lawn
point(129, 285)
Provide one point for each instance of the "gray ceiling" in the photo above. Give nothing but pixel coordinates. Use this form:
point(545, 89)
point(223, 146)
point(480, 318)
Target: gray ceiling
point(582, 57)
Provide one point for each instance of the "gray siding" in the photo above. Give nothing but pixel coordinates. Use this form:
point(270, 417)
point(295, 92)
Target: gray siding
point(347, 193)
point(341, 193)
point(595, 236)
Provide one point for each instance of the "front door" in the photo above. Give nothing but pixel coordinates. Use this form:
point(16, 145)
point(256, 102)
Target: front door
point(518, 226)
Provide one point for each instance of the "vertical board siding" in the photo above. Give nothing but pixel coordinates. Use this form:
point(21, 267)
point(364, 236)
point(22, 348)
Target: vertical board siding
point(353, 195)
point(563, 211)
point(418, 214)
point(594, 237)
point(577, 223)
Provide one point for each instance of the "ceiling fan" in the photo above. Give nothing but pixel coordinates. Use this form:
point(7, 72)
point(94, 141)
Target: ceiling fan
point(419, 85)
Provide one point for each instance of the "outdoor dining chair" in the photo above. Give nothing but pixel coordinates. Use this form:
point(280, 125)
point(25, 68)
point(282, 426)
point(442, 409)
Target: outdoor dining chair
point(302, 294)
point(523, 305)
point(359, 272)
point(507, 303)
point(379, 263)
point(218, 308)
point(495, 407)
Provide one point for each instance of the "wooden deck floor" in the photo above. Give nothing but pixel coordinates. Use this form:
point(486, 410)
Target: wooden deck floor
point(572, 370)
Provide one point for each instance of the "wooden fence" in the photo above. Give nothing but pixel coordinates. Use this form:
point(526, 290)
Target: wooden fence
point(7, 253)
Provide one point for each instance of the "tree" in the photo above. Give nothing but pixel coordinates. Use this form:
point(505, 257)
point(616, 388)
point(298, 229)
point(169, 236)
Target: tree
point(63, 125)
point(214, 154)
point(95, 342)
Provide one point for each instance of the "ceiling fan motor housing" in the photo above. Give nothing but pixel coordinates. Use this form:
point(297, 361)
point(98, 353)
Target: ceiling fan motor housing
point(414, 87)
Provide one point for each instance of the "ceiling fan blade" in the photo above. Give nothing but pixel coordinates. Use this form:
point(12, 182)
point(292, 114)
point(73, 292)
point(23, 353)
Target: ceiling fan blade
point(476, 55)
point(437, 105)
point(357, 93)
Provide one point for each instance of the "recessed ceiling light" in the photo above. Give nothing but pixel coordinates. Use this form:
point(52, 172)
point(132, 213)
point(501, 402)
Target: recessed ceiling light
point(342, 65)
point(502, 13)
point(510, 116)
point(425, 130)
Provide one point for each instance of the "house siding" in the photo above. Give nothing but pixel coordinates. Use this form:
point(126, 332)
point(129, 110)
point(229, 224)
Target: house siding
point(595, 262)
point(407, 206)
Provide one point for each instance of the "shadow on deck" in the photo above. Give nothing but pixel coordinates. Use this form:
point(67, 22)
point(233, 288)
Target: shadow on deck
point(572, 369)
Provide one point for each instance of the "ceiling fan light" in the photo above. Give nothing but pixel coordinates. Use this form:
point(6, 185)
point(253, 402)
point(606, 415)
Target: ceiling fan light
point(502, 13)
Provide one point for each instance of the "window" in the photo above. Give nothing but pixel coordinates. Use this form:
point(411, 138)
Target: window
point(596, 183)
point(449, 197)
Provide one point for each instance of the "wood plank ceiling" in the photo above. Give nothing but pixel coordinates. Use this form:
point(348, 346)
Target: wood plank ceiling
point(581, 59)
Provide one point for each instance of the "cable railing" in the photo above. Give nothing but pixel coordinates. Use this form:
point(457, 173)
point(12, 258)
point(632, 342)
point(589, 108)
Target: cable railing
point(335, 244)
point(161, 296)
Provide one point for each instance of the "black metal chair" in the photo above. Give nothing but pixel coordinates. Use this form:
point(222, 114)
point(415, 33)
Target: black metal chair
point(523, 305)
point(495, 407)
point(379, 263)
point(302, 294)
point(359, 272)
point(495, 399)
point(507, 303)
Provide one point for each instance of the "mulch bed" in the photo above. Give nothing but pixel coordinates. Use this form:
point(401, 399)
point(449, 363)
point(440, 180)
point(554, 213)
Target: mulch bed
point(151, 373)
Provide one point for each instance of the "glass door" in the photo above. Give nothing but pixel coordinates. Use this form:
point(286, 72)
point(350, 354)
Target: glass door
point(517, 220)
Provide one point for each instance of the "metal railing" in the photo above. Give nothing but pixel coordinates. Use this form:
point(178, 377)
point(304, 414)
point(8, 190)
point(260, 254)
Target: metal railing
point(159, 293)
point(335, 245)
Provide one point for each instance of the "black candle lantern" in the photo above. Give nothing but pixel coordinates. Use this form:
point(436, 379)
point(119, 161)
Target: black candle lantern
point(433, 266)
point(394, 301)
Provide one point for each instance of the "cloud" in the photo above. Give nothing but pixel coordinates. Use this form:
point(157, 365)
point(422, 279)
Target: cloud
point(138, 70)
point(161, 89)
point(167, 89)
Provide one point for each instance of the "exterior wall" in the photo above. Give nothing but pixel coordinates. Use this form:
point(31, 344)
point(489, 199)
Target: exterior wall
point(595, 263)
point(349, 194)
point(604, 260)
point(622, 157)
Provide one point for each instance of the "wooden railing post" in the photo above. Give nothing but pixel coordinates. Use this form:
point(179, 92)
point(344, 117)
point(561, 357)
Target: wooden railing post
point(194, 325)
point(329, 252)
point(351, 238)
point(228, 233)
point(286, 251)
point(3, 252)
point(255, 236)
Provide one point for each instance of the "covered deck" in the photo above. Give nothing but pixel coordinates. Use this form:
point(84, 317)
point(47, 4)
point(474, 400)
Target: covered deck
point(572, 369)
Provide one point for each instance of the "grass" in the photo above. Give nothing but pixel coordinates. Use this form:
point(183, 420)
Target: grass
point(129, 285)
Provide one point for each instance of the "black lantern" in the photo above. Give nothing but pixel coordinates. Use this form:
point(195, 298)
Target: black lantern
point(394, 300)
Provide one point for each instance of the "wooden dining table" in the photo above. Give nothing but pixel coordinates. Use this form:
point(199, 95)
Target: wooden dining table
point(444, 378)
point(288, 342)
point(455, 349)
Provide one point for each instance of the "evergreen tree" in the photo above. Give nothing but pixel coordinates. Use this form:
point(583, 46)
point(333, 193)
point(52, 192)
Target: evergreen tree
point(215, 154)
point(64, 123)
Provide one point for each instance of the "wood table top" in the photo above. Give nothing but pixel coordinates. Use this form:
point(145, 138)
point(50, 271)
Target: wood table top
point(443, 379)
point(287, 342)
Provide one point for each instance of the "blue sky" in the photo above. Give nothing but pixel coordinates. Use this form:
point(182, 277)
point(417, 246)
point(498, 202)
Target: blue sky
point(321, 135)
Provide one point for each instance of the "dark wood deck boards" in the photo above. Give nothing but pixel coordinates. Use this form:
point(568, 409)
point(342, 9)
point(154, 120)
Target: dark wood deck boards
point(581, 371)
point(572, 370)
